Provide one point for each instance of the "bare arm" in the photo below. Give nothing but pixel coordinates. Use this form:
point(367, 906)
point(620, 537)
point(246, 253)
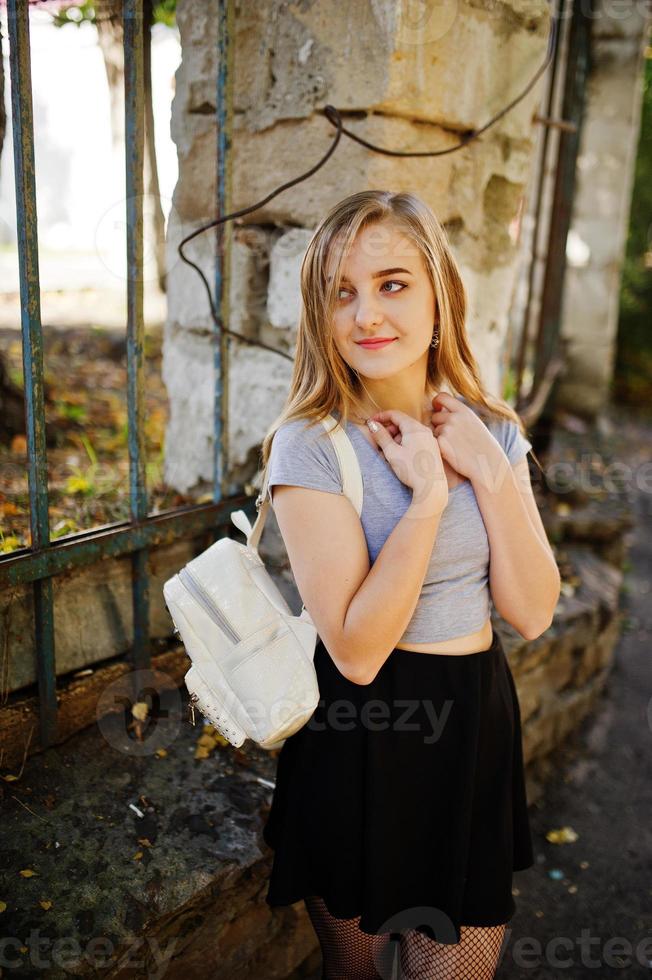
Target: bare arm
point(360, 612)
point(523, 576)
point(382, 608)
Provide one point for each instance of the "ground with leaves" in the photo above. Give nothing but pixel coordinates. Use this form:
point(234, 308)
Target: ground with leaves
point(86, 431)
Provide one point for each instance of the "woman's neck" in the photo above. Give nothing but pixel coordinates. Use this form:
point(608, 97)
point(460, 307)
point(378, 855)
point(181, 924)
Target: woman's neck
point(417, 408)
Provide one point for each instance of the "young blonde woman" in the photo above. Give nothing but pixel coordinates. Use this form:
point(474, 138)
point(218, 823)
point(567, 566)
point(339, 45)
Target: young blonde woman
point(399, 812)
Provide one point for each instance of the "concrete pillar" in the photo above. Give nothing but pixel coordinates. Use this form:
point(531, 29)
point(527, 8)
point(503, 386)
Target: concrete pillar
point(601, 206)
point(402, 82)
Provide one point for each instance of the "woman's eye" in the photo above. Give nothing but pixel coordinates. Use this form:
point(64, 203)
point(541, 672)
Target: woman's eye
point(388, 282)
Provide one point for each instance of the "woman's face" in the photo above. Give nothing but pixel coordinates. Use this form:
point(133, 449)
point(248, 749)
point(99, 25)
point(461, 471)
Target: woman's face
point(385, 292)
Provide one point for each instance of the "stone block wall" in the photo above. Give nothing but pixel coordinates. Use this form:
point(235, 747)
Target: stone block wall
point(400, 81)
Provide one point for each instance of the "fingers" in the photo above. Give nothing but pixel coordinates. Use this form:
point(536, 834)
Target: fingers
point(394, 415)
point(442, 398)
point(379, 432)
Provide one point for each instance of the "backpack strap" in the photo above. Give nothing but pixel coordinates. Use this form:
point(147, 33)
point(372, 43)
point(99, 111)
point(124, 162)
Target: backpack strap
point(349, 466)
point(352, 486)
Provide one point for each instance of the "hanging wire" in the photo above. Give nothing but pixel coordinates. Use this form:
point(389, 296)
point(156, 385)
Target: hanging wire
point(334, 117)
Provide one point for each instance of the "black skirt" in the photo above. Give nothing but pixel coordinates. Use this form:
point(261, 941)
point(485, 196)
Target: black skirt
point(405, 794)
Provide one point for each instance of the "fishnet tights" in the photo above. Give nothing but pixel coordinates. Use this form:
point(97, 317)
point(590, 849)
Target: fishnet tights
point(350, 954)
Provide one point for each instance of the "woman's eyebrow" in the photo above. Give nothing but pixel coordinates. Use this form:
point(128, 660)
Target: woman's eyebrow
point(378, 275)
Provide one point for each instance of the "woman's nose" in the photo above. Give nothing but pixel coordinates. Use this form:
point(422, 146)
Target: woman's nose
point(367, 311)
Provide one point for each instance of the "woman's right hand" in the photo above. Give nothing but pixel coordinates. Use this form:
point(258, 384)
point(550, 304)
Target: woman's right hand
point(411, 449)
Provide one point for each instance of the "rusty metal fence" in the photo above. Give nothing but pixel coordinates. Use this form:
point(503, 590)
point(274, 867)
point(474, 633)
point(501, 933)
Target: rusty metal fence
point(46, 559)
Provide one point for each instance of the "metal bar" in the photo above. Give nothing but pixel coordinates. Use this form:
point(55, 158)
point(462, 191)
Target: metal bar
point(543, 157)
point(555, 123)
point(114, 540)
point(133, 21)
point(223, 238)
point(32, 342)
point(572, 110)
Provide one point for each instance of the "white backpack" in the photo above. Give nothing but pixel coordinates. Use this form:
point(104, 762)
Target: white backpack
point(252, 673)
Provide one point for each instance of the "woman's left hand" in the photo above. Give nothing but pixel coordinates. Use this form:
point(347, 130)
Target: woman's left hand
point(464, 440)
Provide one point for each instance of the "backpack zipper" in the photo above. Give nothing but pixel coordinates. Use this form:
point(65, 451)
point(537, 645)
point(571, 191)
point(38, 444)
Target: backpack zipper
point(204, 600)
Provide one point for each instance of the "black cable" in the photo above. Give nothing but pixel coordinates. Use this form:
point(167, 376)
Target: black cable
point(334, 117)
point(239, 214)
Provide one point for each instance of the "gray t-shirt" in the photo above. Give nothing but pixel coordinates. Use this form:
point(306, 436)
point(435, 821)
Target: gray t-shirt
point(455, 597)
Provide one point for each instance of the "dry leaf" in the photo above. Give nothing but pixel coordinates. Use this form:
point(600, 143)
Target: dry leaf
point(563, 835)
point(19, 445)
point(46, 904)
point(140, 710)
point(206, 740)
point(138, 855)
point(27, 873)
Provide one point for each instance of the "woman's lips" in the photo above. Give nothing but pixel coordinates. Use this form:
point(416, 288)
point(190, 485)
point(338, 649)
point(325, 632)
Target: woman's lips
point(373, 344)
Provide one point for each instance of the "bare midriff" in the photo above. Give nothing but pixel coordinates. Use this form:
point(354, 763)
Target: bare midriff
point(471, 643)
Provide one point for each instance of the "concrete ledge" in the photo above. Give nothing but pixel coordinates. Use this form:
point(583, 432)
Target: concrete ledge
point(178, 891)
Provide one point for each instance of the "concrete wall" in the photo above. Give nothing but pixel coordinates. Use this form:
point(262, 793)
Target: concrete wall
point(401, 82)
point(605, 174)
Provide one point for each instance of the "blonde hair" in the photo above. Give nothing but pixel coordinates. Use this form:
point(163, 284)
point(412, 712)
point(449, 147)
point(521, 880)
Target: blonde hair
point(321, 379)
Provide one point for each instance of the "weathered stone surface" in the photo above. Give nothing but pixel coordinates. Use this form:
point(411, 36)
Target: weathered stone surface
point(93, 614)
point(530, 693)
point(249, 280)
point(349, 169)
point(258, 388)
point(559, 677)
point(284, 295)
point(389, 58)
point(195, 193)
point(177, 891)
point(184, 287)
point(189, 375)
point(601, 204)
